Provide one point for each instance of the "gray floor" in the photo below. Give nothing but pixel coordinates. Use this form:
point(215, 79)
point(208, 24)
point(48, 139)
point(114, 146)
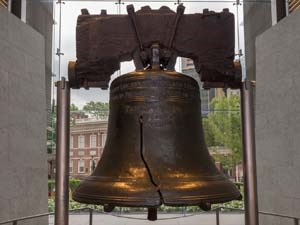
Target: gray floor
point(202, 219)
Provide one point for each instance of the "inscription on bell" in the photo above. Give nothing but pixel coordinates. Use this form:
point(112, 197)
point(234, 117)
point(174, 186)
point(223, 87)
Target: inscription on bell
point(154, 115)
point(187, 85)
point(155, 89)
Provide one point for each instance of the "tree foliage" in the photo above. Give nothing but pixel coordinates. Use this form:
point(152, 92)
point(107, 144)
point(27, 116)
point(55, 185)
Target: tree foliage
point(51, 132)
point(223, 127)
point(73, 184)
point(73, 107)
point(51, 129)
point(98, 109)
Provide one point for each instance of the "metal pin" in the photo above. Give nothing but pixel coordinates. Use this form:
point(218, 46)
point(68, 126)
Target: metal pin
point(152, 214)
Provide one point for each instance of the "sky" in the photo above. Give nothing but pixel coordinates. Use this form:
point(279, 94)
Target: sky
point(71, 10)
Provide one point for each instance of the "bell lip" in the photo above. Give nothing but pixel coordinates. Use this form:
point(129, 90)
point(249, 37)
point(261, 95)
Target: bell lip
point(170, 198)
point(155, 202)
point(117, 201)
point(196, 200)
point(141, 203)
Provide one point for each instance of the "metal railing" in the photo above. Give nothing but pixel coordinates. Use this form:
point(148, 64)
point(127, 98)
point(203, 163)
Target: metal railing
point(295, 219)
point(91, 211)
point(16, 220)
point(219, 209)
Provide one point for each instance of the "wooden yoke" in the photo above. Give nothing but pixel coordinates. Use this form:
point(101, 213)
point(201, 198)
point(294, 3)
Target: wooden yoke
point(104, 41)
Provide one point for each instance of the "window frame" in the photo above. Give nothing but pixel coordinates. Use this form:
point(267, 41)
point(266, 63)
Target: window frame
point(103, 139)
point(71, 167)
point(71, 141)
point(93, 141)
point(79, 141)
point(80, 166)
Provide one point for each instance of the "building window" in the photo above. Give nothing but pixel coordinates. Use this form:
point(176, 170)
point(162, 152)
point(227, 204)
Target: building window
point(71, 153)
point(71, 166)
point(81, 141)
point(103, 139)
point(80, 153)
point(71, 142)
point(81, 166)
point(93, 141)
point(93, 153)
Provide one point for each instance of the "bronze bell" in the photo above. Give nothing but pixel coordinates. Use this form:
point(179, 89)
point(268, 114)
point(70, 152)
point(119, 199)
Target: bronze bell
point(155, 151)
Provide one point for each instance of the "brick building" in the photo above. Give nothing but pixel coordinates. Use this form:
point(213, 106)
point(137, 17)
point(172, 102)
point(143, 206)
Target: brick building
point(87, 140)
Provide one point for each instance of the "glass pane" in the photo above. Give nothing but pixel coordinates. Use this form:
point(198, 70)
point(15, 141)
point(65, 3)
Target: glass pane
point(69, 13)
point(153, 4)
point(220, 108)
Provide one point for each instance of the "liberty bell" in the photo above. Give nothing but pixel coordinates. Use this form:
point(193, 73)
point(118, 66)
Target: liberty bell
point(155, 151)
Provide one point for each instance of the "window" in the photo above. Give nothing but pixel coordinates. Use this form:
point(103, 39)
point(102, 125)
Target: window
point(93, 141)
point(103, 139)
point(93, 153)
point(71, 153)
point(71, 142)
point(81, 166)
point(81, 141)
point(71, 166)
point(80, 153)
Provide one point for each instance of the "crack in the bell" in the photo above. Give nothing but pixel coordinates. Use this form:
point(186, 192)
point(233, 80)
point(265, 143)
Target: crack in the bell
point(145, 162)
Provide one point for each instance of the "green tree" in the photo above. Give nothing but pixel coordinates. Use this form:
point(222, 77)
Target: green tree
point(73, 107)
point(51, 132)
point(223, 128)
point(51, 129)
point(98, 109)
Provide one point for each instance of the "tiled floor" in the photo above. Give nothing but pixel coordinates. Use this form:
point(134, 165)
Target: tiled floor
point(202, 219)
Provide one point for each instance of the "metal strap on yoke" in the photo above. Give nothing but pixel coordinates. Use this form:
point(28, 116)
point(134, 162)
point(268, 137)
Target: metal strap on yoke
point(132, 16)
point(180, 12)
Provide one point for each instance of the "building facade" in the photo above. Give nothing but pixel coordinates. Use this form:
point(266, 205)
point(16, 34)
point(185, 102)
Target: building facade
point(87, 140)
